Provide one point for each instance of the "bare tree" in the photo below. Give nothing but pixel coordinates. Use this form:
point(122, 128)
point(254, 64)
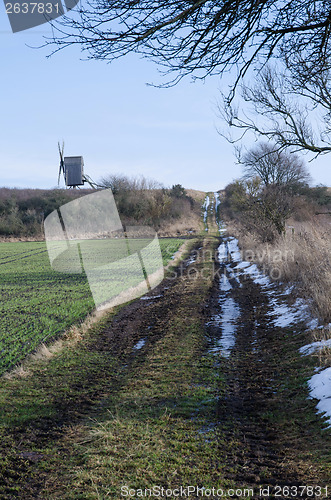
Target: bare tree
point(273, 167)
point(260, 209)
point(116, 182)
point(198, 36)
point(271, 210)
point(291, 105)
point(120, 183)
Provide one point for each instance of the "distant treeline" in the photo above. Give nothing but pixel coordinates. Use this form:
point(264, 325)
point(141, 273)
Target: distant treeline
point(139, 201)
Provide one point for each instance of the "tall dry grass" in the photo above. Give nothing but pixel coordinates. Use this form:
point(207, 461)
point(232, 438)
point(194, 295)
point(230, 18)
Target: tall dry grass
point(188, 224)
point(302, 256)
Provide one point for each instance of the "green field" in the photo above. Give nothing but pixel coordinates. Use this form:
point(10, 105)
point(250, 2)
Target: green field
point(39, 303)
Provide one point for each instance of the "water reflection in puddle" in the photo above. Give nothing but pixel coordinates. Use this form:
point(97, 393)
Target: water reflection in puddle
point(226, 322)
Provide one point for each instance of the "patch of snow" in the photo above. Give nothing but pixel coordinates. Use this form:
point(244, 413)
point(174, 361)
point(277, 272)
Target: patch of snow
point(234, 250)
point(217, 201)
point(320, 388)
point(287, 315)
point(150, 297)
point(139, 344)
point(288, 290)
point(262, 280)
point(283, 315)
point(313, 324)
point(233, 275)
point(222, 252)
point(256, 275)
point(315, 346)
point(205, 207)
point(224, 284)
point(191, 260)
point(253, 271)
point(242, 265)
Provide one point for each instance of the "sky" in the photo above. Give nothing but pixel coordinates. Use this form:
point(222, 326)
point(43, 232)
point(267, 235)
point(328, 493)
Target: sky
point(109, 115)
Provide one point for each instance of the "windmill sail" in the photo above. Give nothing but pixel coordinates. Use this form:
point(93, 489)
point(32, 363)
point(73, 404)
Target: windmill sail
point(61, 168)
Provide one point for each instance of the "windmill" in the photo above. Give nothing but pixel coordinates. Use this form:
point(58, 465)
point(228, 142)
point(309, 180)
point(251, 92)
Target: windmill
point(72, 169)
point(61, 169)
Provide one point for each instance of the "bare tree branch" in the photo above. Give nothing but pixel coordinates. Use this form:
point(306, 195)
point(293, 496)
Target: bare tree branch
point(198, 37)
point(284, 106)
point(275, 168)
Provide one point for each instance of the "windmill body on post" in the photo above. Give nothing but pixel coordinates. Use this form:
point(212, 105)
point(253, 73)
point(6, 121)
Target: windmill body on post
point(74, 171)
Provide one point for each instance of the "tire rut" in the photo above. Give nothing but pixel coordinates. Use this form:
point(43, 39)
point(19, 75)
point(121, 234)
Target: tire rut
point(258, 450)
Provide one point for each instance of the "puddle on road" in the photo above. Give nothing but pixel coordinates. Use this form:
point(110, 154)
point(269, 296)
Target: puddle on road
point(222, 252)
point(205, 208)
point(234, 249)
point(226, 321)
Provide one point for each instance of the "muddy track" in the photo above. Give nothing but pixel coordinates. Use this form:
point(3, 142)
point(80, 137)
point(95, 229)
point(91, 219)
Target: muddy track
point(143, 322)
point(257, 410)
point(262, 435)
